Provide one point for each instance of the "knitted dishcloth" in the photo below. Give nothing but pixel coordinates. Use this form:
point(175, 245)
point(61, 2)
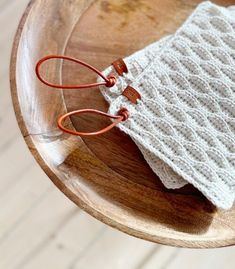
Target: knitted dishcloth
point(136, 64)
point(186, 114)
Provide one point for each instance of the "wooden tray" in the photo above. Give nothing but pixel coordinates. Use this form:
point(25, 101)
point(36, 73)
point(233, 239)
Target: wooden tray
point(106, 175)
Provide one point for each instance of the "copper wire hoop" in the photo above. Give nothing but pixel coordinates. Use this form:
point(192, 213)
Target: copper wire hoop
point(108, 81)
point(122, 115)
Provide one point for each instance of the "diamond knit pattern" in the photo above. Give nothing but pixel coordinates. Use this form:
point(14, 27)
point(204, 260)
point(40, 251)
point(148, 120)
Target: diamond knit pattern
point(136, 64)
point(186, 116)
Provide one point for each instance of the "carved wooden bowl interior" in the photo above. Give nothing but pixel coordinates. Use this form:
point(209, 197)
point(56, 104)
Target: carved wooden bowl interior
point(105, 175)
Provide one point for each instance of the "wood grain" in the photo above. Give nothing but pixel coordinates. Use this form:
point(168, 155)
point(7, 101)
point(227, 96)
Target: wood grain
point(106, 176)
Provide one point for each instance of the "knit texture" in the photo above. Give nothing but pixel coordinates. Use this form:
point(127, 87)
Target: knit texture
point(136, 64)
point(186, 114)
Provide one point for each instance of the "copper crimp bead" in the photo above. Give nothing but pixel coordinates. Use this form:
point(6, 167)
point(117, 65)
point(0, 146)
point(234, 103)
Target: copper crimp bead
point(111, 81)
point(123, 112)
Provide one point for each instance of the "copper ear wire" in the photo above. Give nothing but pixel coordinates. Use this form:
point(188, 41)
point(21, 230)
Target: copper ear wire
point(122, 115)
point(109, 82)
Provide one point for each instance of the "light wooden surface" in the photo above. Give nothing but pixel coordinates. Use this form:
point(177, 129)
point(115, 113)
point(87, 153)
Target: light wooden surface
point(41, 228)
point(105, 175)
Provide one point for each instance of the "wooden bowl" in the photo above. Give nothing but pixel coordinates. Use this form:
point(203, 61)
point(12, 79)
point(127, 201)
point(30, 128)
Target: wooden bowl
point(105, 175)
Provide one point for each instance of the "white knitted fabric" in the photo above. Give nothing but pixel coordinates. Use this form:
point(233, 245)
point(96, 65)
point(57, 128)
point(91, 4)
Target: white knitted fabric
point(186, 114)
point(136, 64)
